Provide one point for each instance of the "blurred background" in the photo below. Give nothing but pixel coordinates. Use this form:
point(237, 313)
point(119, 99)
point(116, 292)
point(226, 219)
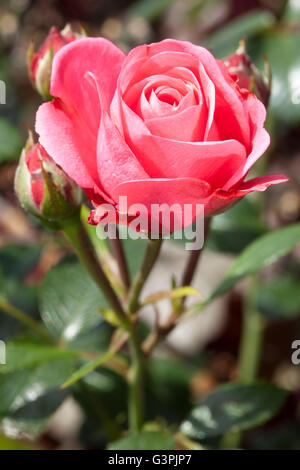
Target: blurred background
point(207, 355)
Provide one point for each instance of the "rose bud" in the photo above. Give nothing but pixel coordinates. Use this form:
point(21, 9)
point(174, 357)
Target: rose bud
point(40, 62)
point(248, 76)
point(42, 187)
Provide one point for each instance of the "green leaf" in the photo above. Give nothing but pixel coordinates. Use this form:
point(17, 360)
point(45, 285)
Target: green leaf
point(135, 252)
point(283, 436)
point(21, 387)
point(20, 296)
point(103, 396)
point(70, 301)
point(292, 11)
point(235, 228)
point(280, 45)
point(111, 317)
point(233, 407)
point(21, 354)
point(93, 340)
point(176, 293)
point(168, 388)
point(197, 6)
point(10, 141)
point(280, 298)
point(17, 261)
point(150, 10)
point(260, 253)
point(7, 443)
point(32, 419)
point(225, 40)
point(28, 397)
point(145, 440)
point(88, 368)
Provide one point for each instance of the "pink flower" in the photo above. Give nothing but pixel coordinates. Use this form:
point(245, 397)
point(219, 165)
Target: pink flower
point(165, 124)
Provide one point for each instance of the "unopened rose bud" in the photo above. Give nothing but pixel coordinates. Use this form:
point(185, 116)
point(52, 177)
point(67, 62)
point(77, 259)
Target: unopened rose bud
point(248, 76)
point(40, 62)
point(43, 188)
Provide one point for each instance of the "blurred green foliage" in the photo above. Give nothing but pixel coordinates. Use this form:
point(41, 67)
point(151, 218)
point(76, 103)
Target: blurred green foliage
point(67, 304)
point(233, 407)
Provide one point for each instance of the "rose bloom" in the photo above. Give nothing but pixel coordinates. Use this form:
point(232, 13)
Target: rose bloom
point(166, 124)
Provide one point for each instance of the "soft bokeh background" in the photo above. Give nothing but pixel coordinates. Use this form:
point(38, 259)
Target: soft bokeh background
point(205, 351)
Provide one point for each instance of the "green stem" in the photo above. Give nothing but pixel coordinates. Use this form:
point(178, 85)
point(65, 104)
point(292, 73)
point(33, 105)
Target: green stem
point(119, 254)
point(12, 311)
point(100, 245)
point(136, 384)
point(250, 352)
point(75, 233)
point(137, 371)
point(77, 236)
point(152, 253)
point(102, 251)
point(252, 338)
point(193, 262)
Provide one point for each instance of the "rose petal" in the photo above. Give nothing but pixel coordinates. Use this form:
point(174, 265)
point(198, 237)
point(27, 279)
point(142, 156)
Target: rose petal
point(116, 162)
point(68, 127)
point(261, 183)
point(221, 200)
point(233, 109)
point(260, 139)
point(101, 58)
point(214, 162)
point(171, 127)
point(141, 63)
point(166, 192)
point(209, 94)
point(63, 136)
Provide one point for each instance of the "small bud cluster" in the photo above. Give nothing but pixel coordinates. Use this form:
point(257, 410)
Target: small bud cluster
point(42, 187)
point(247, 74)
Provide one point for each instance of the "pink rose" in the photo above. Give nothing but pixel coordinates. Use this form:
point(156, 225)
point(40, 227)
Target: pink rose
point(164, 124)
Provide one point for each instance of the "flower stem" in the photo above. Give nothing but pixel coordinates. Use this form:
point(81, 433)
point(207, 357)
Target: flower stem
point(252, 338)
point(193, 261)
point(137, 370)
point(75, 233)
point(136, 384)
point(118, 252)
point(249, 354)
point(152, 253)
point(77, 236)
point(102, 252)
